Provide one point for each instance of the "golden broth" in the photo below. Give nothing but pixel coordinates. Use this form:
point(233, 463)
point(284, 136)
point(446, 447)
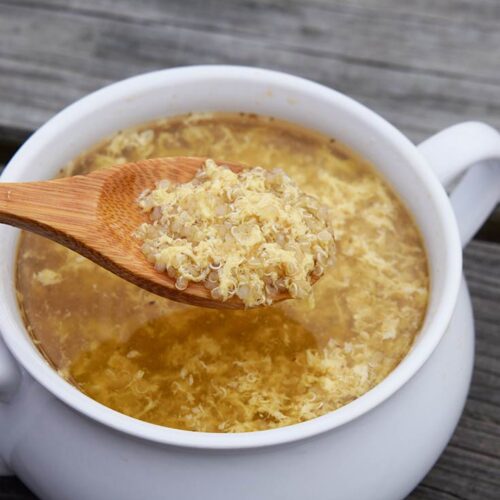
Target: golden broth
point(231, 371)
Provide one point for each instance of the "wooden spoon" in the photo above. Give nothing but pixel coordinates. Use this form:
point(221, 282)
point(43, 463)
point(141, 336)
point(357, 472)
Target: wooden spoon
point(96, 214)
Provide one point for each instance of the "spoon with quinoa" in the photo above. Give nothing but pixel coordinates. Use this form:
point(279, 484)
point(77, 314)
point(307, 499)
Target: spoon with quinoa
point(207, 233)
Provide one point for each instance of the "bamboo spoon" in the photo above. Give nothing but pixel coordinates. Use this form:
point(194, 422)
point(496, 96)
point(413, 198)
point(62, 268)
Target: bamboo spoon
point(96, 214)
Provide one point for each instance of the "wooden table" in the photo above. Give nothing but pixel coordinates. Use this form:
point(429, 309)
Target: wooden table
point(422, 64)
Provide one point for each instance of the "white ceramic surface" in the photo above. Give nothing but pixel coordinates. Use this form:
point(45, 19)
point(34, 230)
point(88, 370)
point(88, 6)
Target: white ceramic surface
point(65, 445)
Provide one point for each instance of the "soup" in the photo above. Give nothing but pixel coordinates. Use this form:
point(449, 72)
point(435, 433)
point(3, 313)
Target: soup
point(246, 370)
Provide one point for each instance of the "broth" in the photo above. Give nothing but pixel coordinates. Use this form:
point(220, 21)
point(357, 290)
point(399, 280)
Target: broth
point(233, 371)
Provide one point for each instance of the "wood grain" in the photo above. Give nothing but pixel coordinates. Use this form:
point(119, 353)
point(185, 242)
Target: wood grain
point(422, 64)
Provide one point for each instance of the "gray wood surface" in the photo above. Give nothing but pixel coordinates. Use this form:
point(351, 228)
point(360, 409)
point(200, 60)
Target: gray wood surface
point(422, 64)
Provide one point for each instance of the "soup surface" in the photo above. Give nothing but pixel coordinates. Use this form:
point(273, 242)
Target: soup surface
point(232, 371)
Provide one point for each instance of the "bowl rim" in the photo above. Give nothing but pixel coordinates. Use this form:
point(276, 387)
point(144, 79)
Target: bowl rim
point(39, 369)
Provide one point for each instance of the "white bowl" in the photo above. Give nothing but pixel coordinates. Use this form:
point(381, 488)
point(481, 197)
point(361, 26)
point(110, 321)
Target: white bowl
point(65, 445)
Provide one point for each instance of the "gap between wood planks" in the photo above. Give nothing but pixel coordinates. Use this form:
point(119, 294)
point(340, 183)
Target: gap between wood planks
point(12, 139)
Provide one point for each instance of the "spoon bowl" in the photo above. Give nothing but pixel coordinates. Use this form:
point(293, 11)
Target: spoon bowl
point(120, 190)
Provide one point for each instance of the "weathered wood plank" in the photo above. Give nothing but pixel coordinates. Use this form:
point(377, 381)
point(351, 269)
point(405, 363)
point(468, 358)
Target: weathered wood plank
point(420, 71)
point(422, 66)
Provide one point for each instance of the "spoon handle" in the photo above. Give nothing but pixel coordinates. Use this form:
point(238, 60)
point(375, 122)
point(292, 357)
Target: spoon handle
point(60, 209)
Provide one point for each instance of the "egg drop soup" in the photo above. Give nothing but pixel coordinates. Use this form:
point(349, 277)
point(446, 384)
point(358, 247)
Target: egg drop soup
point(236, 370)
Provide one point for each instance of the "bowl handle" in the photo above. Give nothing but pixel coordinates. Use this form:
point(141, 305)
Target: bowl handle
point(10, 378)
point(473, 148)
point(10, 375)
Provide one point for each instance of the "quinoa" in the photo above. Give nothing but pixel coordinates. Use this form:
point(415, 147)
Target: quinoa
point(252, 234)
